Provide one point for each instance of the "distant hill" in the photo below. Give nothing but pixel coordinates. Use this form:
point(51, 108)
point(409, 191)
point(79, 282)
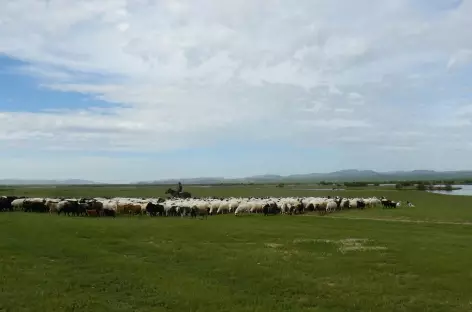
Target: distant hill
point(337, 176)
point(349, 175)
point(209, 180)
point(45, 182)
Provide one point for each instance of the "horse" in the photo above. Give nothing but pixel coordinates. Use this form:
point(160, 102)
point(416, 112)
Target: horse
point(270, 209)
point(174, 193)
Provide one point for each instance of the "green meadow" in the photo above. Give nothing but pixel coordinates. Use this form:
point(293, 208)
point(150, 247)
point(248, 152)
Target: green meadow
point(405, 259)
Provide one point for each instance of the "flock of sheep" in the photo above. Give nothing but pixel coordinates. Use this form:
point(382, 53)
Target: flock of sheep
point(190, 206)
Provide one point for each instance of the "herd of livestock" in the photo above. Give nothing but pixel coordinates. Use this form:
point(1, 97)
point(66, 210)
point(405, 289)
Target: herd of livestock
point(189, 206)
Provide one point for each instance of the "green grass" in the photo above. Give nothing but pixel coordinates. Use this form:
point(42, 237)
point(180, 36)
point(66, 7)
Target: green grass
point(249, 263)
point(225, 263)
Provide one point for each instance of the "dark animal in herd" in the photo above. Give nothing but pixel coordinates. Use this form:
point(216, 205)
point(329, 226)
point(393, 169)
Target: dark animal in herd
point(81, 207)
point(34, 206)
point(270, 209)
point(195, 211)
point(386, 203)
point(5, 203)
point(155, 209)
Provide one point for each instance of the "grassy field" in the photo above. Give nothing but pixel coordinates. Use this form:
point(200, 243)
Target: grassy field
point(249, 263)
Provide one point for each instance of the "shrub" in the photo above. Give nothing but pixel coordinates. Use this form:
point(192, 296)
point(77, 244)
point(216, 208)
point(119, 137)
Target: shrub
point(421, 186)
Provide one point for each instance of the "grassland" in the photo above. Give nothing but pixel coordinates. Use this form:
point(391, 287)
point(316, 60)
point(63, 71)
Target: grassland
point(249, 263)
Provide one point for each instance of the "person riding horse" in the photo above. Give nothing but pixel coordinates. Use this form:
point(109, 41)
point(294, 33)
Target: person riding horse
point(178, 192)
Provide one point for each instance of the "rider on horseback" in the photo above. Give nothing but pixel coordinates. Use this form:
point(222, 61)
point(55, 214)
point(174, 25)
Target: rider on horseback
point(179, 188)
point(178, 192)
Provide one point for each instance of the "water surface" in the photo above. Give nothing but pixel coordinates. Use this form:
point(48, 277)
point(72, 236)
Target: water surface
point(466, 190)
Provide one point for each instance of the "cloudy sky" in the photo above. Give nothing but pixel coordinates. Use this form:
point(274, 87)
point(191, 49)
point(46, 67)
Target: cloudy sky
point(126, 90)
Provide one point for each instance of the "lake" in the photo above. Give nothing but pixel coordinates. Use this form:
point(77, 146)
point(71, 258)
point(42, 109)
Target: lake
point(465, 191)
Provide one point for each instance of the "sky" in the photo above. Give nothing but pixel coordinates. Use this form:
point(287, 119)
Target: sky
point(132, 90)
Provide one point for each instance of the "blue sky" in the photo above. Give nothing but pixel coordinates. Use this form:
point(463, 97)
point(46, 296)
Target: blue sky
point(141, 90)
point(23, 92)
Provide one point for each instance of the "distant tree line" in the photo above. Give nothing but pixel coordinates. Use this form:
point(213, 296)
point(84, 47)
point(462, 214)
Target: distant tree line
point(424, 186)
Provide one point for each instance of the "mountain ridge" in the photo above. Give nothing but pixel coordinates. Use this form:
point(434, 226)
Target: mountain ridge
point(46, 182)
point(347, 175)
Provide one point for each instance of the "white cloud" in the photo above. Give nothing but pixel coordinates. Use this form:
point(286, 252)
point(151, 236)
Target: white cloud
point(193, 73)
point(460, 58)
point(398, 148)
point(344, 110)
point(355, 98)
point(122, 26)
point(337, 123)
point(465, 110)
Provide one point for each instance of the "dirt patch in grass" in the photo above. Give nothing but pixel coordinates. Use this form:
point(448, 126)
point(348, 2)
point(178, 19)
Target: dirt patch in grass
point(345, 245)
point(273, 245)
point(357, 244)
